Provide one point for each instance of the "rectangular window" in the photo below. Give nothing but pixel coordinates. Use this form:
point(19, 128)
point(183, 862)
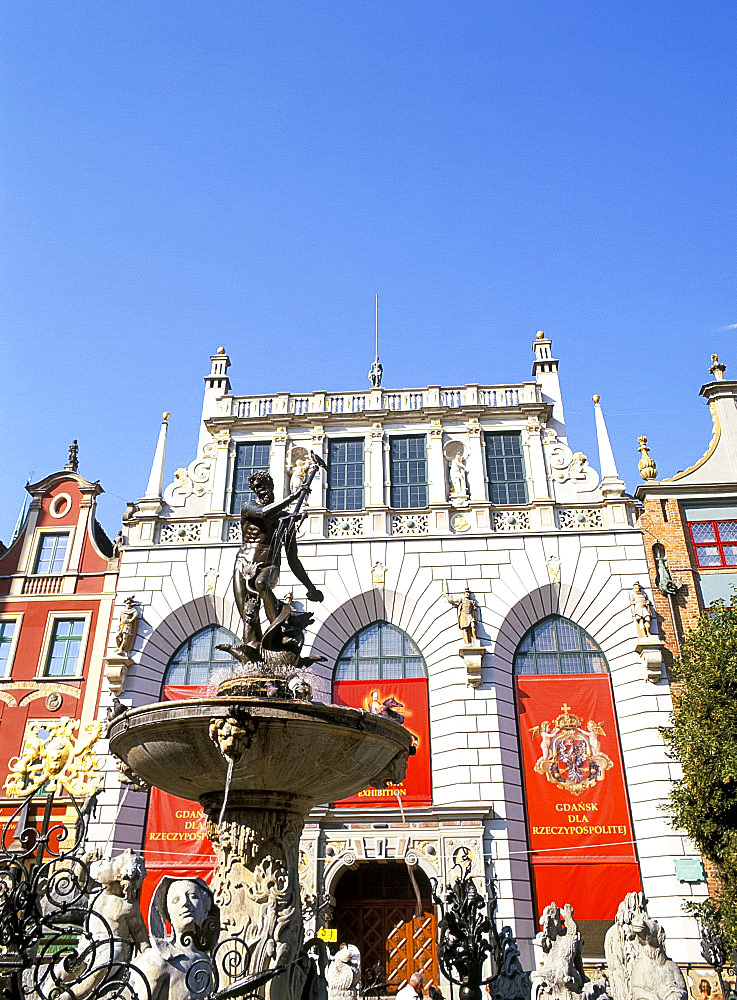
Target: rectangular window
point(51, 552)
point(249, 458)
point(714, 542)
point(65, 653)
point(408, 472)
point(345, 475)
point(8, 638)
point(505, 468)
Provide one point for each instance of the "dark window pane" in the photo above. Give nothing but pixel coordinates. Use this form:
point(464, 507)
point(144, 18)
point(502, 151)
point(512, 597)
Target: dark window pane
point(505, 468)
point(345, 475)
point(408, 472)
point(249, 458)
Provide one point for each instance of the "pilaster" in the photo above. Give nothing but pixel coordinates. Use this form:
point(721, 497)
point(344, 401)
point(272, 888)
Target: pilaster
point(436, 464)
point(475, 462)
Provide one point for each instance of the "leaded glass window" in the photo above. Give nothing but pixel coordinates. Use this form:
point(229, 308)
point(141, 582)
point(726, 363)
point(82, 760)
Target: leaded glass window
point(715, 542)
point(249, 458)
point(505, 468)
point(197, 662)
point(66, 648)
point(52, 548)
point(379, 652)
point(558, 646)
point(408, 471)
point(345, 475)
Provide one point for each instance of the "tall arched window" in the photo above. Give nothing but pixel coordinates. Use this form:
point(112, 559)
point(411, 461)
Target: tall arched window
point(381, 671)
point(556, 645)
point(379, 652)
point(197, 662)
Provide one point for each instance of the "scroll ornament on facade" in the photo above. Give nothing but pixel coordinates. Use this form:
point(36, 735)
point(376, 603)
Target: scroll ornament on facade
point(571, 756)
point(55, 759)
point(193, 483)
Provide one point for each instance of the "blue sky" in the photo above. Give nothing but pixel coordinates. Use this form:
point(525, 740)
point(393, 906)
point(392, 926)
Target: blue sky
point(178, 175)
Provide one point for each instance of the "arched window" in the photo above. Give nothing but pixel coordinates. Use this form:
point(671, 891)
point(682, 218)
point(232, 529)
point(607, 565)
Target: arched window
point(558, 646)
point(379, 652)
point(197, 660)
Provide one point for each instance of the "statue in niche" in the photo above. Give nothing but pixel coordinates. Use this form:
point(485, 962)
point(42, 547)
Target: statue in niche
point(178, 966)
point(298, 468)
point(127, 629)
point(458, 480)
point(467, 611)
point(455, 456)
point(561, 972)
point(344, 973)
point(266, 530)
point(640, 607)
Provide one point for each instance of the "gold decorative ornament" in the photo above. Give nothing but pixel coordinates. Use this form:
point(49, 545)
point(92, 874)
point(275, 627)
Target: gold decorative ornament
point(56, 759)
point(646, 465)
point(570, 755)
point(717, 368)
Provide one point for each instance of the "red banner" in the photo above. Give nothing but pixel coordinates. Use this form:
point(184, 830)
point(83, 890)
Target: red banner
point(575, 793)
point(175, 842)
point(406, 701)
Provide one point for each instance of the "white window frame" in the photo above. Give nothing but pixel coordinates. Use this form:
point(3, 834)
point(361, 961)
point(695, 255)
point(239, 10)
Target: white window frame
point(36, 551)
point(45, 654)
point(18, 619)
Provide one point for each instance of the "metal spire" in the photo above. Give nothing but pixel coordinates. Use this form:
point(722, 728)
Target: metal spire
point(376, 370)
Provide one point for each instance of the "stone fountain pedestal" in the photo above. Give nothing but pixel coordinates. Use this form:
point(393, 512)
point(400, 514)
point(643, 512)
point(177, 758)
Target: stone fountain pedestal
point(283, 757)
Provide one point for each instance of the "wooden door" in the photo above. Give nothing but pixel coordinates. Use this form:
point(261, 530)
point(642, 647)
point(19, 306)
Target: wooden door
point(386, 931)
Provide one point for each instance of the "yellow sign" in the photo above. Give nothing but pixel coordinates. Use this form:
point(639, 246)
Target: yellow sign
point(328, 934)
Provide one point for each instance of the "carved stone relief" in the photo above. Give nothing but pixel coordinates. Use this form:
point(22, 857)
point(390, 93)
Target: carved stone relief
point(191, 485)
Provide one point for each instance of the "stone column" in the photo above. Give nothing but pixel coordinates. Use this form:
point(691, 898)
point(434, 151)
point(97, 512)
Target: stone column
point(475, 463)
point(278, 462)
point(437, 490)
point(375, 496)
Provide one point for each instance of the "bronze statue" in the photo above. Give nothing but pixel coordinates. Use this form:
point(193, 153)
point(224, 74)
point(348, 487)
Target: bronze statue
point(266, 529)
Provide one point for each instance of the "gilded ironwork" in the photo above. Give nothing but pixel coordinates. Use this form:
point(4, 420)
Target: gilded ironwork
point(53, 756)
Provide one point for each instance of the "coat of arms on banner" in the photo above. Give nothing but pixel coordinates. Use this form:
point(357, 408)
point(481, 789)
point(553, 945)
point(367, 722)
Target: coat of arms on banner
point(571, 756)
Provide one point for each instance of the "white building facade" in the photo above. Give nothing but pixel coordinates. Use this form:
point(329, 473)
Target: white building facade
point(426, 493)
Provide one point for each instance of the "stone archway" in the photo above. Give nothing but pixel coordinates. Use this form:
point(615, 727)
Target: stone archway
point(377, 909)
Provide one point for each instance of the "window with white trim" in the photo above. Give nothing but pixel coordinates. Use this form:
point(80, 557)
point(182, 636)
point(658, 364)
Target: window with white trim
point(51, 553)
point(379, 652)
point(64, 658)
point(250, 457)
point(9, 630)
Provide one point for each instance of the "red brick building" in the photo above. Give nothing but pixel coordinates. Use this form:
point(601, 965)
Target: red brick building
point(690, 520)
point(57, 587)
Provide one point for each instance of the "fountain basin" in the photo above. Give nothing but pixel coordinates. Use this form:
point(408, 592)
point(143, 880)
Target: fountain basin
point(300, 753)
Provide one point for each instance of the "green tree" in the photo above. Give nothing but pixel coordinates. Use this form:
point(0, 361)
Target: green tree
point(703, 738)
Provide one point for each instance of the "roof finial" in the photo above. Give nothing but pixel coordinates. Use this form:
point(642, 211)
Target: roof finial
point(73, 460)
point(376, 370)
point(646, 465)
point(718, 368)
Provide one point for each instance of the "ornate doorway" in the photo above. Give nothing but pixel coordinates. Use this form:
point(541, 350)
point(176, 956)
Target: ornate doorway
point(377, 910)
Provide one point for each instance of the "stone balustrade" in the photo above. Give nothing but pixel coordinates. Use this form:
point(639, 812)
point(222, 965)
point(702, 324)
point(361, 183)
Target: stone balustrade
point(379, 400)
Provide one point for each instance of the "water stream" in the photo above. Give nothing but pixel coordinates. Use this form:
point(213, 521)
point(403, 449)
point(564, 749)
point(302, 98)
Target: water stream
point(227, 790)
